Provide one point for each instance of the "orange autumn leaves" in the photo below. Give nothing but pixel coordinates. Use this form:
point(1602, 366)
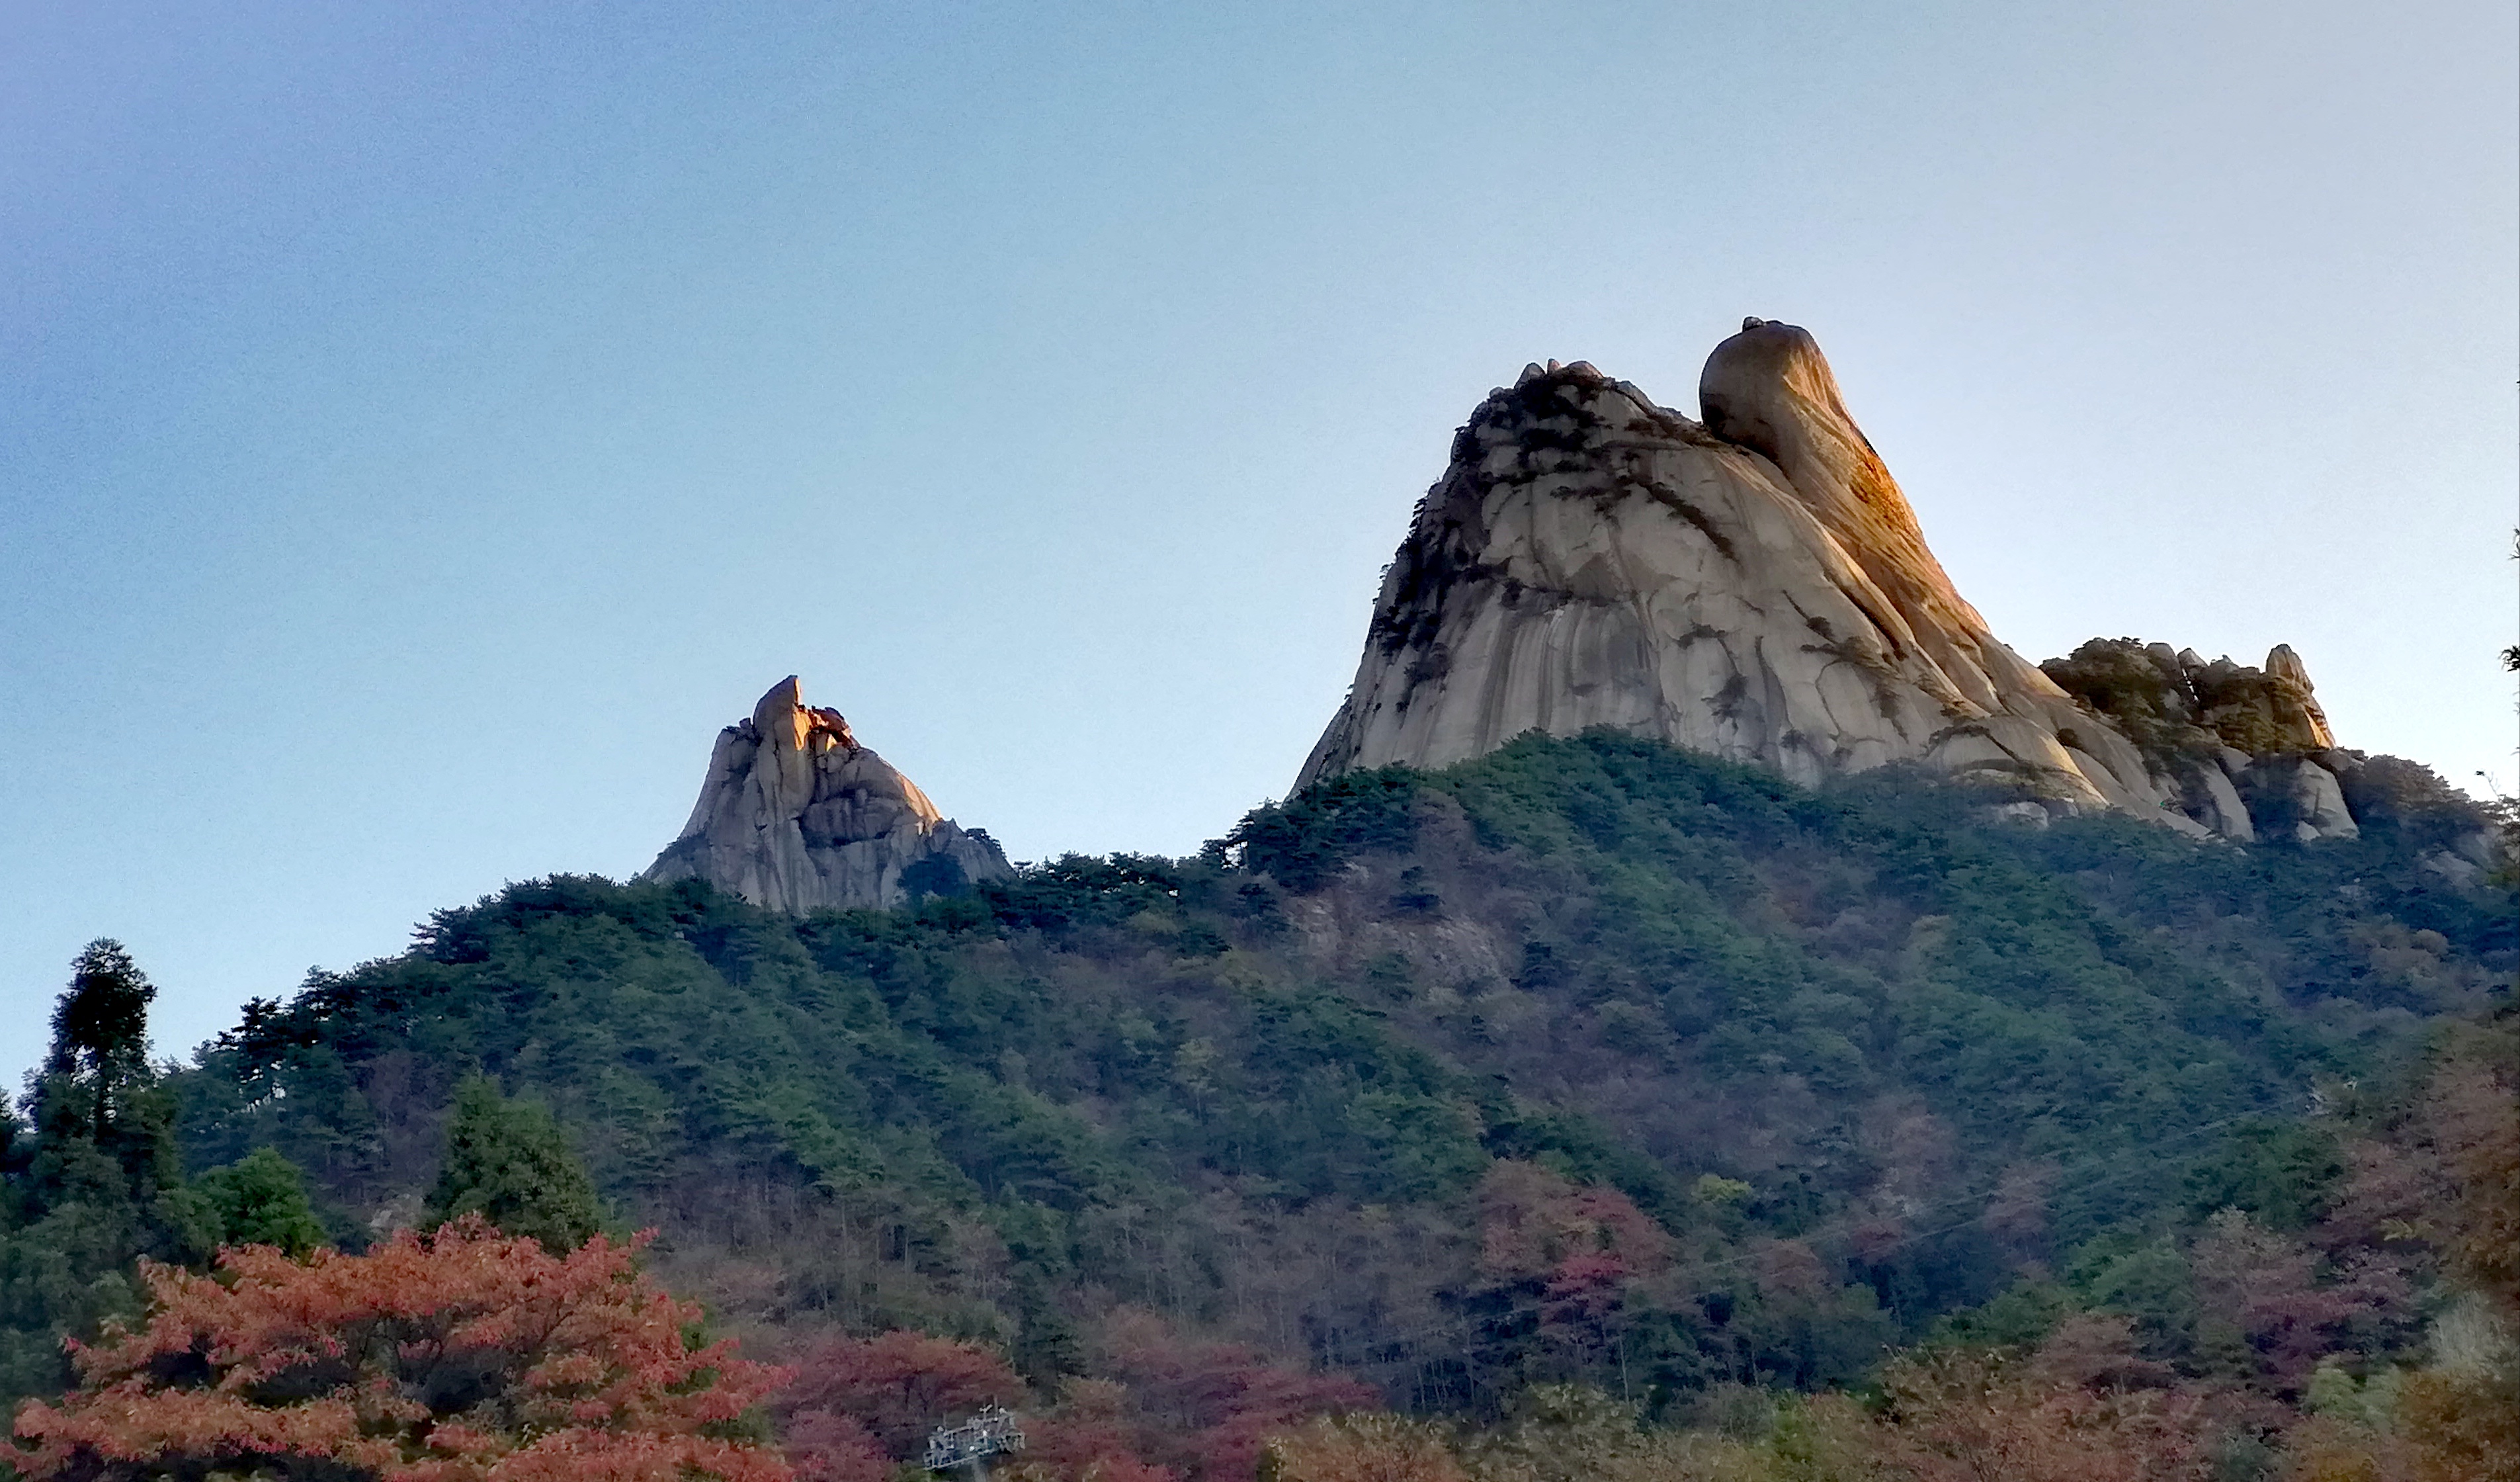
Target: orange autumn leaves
point(463, 1356)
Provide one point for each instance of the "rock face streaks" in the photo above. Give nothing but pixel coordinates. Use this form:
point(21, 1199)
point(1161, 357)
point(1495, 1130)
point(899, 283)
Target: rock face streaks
point(1756, 587)
point(797, 817)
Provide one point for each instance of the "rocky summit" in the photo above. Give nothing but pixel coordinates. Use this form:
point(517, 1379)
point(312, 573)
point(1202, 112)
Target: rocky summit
point(797, 817)
point(1756, 586)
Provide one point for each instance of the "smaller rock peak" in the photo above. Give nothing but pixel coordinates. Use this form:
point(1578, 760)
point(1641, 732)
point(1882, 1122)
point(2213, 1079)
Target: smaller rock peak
point(2175, 702)
point(2284, 667)
point(1577, 372)
point(795, 815)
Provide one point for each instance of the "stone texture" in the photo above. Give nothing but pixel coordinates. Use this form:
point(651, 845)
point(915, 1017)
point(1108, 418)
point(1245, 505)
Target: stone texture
point(1756, 587)
point(2211, 800)
point(2318, 805)
point(2219, 732)
point(2459, 873)
point(797, 817)
point(2300, 712)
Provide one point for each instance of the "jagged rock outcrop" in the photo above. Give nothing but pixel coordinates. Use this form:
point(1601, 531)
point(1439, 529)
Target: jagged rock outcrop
point(1756, 586)
point(797, 817)
point(2248, 748)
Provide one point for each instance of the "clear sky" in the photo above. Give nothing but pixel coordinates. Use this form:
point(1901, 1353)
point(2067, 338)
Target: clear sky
point(422, 426)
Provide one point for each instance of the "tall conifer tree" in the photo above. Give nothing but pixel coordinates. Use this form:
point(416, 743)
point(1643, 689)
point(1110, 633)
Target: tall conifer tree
point(508, 1161)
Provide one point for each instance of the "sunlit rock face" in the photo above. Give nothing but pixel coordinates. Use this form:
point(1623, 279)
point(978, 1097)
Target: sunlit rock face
point(1755, 586)
point(797, 817)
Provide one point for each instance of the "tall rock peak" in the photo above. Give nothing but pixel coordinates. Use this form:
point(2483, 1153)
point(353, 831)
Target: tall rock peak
point(796, 815)
point(1755, 585)
point(2284, 668)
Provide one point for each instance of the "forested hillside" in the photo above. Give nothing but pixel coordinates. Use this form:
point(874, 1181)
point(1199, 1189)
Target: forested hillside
point(1591, 1063)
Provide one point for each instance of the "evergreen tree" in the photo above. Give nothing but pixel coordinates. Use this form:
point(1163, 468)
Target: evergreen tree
point(101, 1025)
point(260, 1199)
point(100, 1181)
point(508, 1161)
point(105, 1130)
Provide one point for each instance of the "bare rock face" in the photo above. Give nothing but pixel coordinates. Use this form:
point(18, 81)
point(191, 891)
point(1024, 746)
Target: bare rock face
point(1756, 587)
point(2318, 805)
point(797, 817)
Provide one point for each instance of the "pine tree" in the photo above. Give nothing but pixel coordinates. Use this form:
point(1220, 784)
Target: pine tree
point(101, 1025)
point(508, 1161)
point(104, 1129)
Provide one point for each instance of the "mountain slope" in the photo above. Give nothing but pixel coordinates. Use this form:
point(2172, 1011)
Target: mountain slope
point(1279, 1093)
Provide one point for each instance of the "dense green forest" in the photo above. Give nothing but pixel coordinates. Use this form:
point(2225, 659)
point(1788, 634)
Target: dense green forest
point(1589, 1063)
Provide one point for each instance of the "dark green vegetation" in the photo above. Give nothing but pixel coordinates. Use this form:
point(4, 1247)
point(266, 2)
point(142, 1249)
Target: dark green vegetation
point(1864, 1057)
point(510, 1163)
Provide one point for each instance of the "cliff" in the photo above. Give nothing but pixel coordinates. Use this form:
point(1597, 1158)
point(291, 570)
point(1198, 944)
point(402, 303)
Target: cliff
point(796, 815)
point(1757, 586)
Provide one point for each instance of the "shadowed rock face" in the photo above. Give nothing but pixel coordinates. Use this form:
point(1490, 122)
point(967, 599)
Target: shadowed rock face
point(1756, 587)
point(797, 817)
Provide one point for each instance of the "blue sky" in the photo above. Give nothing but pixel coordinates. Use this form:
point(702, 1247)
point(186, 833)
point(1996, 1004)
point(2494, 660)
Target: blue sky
point(421, 427)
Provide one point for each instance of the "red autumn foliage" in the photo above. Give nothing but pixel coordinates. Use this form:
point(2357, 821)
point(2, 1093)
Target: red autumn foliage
point(463, 1356)
point(856, 1397)
point(1170, 1410)
point(2475, 1113)
point(2289, 1313)
point(1208, 1408)
point(1091, 1436)
point(2017, 1214)
point(828, 1446)
point(1788, 1269)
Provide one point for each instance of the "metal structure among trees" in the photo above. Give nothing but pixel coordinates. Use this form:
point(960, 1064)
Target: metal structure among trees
point(992, 1432)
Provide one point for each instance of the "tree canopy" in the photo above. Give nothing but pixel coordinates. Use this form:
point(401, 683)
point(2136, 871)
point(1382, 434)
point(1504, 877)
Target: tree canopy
point(462, 1355)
